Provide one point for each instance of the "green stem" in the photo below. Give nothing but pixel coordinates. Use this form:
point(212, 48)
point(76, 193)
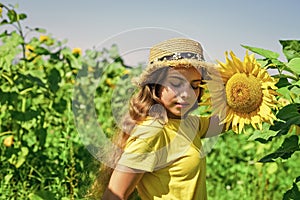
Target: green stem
point(286, 76)
point(295, 75)
point(6, 133)
point(23, 104)
point(18, 27)
point(7, 78)
point(22, 35)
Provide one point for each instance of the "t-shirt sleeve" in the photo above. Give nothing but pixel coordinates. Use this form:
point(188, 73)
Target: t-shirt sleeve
point(204, 124)
point(141, 148)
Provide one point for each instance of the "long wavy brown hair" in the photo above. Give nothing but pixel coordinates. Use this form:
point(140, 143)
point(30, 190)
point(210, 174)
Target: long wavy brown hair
point(143, 103)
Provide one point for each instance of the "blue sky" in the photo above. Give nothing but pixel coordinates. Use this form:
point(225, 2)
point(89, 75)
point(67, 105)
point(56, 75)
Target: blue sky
point(218, 25)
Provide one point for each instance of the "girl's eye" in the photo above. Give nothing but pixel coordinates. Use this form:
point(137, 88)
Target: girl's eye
point(176, 83)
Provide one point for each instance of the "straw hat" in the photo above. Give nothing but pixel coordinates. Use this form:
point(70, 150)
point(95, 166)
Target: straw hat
point(176, 52)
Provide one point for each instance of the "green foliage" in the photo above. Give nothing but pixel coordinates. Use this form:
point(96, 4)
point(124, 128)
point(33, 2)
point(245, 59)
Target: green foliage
point(294, 192)
point(289, 146)
point(41, 153)
point(263, 52)
point(287, 125)
point(49, 93)
point(233, 170)
point(291, 48)
point(261, 164)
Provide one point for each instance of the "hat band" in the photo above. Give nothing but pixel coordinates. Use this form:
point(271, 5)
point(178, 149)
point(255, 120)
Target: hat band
point(178, 56)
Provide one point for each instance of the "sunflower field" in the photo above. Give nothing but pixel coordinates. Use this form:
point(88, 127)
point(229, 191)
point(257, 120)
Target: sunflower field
point(45, 85)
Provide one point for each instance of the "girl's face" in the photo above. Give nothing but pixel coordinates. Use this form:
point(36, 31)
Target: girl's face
point(180, 91)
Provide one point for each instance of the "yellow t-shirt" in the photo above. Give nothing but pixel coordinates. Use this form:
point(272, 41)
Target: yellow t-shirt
point(171, 156)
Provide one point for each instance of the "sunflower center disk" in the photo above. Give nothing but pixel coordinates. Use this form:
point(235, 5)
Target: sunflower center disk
point(243, 93)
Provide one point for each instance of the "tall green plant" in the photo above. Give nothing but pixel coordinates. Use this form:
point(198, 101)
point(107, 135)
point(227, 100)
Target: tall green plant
point(41, 153)
point(287, 125)
point(262, 164)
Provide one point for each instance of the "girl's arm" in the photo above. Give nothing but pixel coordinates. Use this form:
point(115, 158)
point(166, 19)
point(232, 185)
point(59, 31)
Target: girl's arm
point(122, 183)
point(214, 127)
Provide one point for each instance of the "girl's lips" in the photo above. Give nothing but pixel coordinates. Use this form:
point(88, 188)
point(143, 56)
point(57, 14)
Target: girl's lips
point(182, 105)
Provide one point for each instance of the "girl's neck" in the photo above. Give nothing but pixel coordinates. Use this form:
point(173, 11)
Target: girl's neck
point(172, 116)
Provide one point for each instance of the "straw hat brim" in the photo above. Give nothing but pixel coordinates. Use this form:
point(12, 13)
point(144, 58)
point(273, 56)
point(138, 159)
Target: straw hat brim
point(185, 62)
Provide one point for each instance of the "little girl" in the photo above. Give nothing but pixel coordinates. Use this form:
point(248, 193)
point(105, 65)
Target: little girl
point(162, 152)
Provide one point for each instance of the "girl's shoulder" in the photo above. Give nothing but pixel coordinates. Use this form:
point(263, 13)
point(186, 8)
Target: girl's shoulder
point(147, 128)
point(197, 117)
point(151, 122)
point(192, 119)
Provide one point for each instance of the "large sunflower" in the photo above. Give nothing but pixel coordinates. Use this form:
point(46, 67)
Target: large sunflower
point(242, 93)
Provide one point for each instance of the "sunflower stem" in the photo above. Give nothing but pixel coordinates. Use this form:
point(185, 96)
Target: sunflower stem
point(281, 75)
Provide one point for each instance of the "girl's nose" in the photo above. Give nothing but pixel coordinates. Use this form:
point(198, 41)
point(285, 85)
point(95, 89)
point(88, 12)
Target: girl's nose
point(183, 94)
point(185, 91)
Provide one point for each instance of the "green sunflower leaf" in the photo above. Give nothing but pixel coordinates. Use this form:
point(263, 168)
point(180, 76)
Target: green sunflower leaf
point(289, 115)
point(263, 52)
point(41, 51)
point(283, 82)
point(289, 146)
point(294, 65)
point(298, 179)
point(24, 116)
point(22, 16)
point(291, 48)
point(289, 111)
point(263, 136)
point(293, 193)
